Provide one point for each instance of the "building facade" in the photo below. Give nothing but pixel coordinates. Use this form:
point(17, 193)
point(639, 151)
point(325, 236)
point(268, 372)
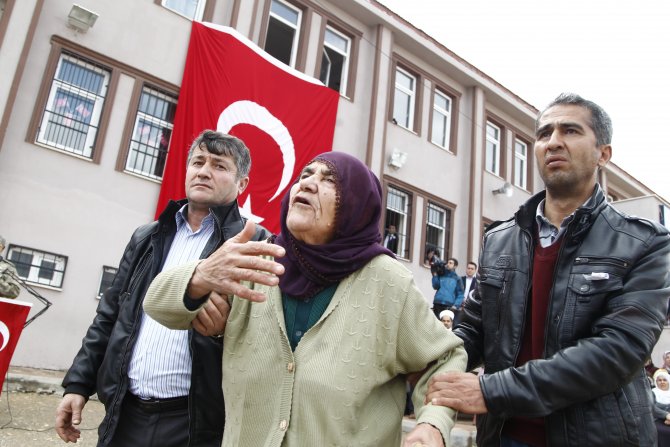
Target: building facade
point(86, 117)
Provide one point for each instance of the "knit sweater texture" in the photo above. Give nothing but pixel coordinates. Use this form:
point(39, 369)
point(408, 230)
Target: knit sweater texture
point(345, 382)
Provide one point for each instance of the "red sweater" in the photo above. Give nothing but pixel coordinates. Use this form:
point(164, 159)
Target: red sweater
point(531, 430)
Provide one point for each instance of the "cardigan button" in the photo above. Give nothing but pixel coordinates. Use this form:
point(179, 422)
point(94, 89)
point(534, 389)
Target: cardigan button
point(283, 425)
point(290, 366)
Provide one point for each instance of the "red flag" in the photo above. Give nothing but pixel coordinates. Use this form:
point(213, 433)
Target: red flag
point(13, 315)
point(283, 116)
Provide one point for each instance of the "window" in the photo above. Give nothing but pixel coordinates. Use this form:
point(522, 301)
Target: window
point(492, 148)
point(38, 267)
point(520, 163)
point(664, 215)
point(438, 222)
point(151, 133)
point(108, 274)
point(404, 99)
point(191, 9)
point(335, 60)
point(72, 113)
point(398, 213)
point(441, 130)
point(283, 32)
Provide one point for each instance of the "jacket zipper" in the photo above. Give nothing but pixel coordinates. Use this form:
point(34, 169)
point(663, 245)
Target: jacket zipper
point(133, 281)
point(616, 262)
point(529, 242)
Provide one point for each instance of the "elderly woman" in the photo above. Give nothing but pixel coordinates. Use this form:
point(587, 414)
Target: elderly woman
point(323, 360)
point(662, 406)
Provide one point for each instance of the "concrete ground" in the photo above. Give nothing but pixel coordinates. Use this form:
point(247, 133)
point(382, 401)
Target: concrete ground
point(28, 407)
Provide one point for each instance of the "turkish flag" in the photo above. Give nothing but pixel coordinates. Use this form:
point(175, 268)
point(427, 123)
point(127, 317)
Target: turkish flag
point(13, 315)
point(284, 116)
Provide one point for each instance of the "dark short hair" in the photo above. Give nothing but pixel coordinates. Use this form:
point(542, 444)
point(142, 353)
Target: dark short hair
point(473, 264)
point(601, 123)
point(455, 261)
point(219, 143)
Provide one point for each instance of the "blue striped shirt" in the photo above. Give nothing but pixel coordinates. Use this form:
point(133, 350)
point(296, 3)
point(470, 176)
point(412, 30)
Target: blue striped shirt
point(160, 366)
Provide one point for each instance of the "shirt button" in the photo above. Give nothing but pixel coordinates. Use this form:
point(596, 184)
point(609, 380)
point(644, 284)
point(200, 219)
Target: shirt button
point(290, 367)
point(283, 425)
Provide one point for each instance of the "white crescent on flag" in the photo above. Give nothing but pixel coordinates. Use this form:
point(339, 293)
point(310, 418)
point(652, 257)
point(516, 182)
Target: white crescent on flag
point(249, 112)
point(4, 331)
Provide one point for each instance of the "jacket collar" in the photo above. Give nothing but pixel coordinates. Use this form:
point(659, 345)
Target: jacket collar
point(585, 215)
point(223, 214)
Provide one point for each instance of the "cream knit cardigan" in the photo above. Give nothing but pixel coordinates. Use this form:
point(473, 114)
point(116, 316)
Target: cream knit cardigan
point(345, 383)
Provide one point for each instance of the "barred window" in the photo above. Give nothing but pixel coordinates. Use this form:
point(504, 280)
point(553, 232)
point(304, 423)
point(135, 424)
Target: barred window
point(438, 220)
point(398, 214)
point(38, 267)
point(106, 279)
point(151, 134)
point(72, 114)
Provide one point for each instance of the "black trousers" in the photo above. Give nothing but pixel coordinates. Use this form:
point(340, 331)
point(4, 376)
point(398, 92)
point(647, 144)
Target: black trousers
point(140, 428)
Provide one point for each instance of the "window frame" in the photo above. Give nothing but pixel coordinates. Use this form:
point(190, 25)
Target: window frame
point(34, 270)
point(500, 153)
point(129, 131)
point(349, 70)
point(297, 54)
point(404, 232)
point(53, 86)
point(523, 160)
point(454, 98)
point(412, 94)
point(58, 46)
point(447, 230)
point(207, 10)
point(105, 269)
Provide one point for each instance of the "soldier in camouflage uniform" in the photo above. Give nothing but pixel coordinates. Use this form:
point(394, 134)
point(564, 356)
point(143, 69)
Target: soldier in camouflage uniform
point(9, 286)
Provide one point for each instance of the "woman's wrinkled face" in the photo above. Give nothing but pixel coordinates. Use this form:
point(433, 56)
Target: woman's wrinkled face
point(662, 383)
point(311, 209)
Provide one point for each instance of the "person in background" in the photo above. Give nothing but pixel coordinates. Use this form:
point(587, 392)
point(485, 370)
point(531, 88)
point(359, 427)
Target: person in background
point(447, 318)
point(322, 358)
point(9, 286)
point(162, 387)
point(391, 239)
point(662, 406)
point(448, 286)
point(568, 285)
point(665, 364)
point(469, 283)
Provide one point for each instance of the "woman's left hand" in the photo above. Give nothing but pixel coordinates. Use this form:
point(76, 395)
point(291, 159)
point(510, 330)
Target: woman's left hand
point(667, 419)
point(423, 435)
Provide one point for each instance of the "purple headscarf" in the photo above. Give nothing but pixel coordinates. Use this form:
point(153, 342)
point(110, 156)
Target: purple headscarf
point(356, 240)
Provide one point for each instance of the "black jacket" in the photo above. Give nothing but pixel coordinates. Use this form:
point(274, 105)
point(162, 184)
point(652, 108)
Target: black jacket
point(590, 385)
point(102, 362)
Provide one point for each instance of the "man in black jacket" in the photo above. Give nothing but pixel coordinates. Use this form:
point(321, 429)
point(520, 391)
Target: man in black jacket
point(159, 386)
point(571, 299)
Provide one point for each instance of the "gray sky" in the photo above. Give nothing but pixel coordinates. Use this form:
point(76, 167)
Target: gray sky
point(614, 52)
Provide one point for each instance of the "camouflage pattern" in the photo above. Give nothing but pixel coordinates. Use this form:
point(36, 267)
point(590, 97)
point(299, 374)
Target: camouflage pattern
point(9, 286)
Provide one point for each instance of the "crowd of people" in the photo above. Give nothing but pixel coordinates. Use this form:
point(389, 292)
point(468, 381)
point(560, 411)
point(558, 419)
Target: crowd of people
point(215, 332)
